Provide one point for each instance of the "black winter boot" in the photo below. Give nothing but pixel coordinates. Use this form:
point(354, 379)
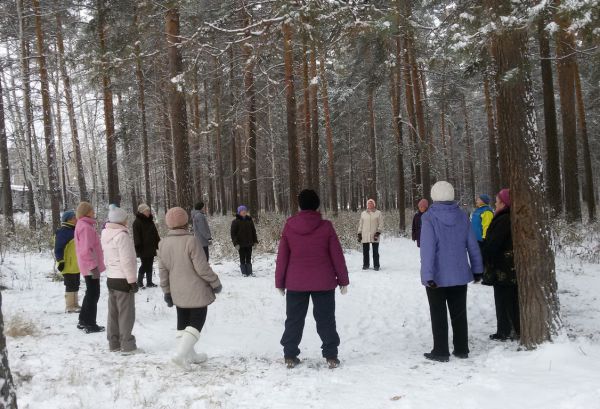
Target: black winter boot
point(244, 269)
point(249, 270)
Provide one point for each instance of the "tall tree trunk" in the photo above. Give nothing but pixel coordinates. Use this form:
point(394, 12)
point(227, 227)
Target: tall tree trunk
point(566, 63)
point(139, 75)
point(218, 152)
point(396, 93)
point(469, 146)
point(288, 57)
point(492, 143)
point(66, 80)
point(250, 94)
point(63, 173)
point(410, 110)
point(177, 110)
point(196, 161)
point(372, 180)
point(333, 199)
point(534, 260)
point(7, 199)
point(25, 78)
point(235, 194)
point(314, 116)
point(305, 154)
point(552, 162)
point(53, 184)
point(8, 393)
point(588, 191)
point(112, 165)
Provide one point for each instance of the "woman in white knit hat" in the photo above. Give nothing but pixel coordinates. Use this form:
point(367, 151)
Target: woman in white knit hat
point(370, 227)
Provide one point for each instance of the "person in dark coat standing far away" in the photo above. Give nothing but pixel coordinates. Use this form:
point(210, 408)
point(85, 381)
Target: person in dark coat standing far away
point(500, 270)
point(423, 205)
point(310, 265)
point(243, 236)
point(450, 259)
point(145, 239)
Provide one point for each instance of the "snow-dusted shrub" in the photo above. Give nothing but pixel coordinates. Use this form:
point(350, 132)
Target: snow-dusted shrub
point(18, 326)
point(577, 240)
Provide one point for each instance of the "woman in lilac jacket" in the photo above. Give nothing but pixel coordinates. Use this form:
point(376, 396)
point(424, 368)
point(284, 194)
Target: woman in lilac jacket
point(450, 259)
point(310, 264)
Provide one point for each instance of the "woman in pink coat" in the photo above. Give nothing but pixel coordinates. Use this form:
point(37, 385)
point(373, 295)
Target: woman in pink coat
point(91, 263)
point(310, 264)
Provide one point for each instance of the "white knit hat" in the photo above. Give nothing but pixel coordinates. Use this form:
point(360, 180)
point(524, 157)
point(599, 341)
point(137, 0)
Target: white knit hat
point(442, 191)
point(117, 215)
point(143, 207)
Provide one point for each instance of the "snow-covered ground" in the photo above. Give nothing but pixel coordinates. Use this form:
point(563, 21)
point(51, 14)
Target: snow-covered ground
point(383, 322)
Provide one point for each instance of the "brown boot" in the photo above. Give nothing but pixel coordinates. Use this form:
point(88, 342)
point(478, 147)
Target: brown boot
point(71, 303)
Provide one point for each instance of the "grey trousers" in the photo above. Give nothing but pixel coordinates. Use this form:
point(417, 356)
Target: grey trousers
point(121, 317)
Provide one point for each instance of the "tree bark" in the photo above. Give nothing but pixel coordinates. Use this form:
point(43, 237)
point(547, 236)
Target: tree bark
point(66, 80)
point(333, 199)
point(492, 142)
point(218, 152)
point(177, 110)
point(235, 196)
point(552, 162)
point(372, 180)
point(395, 93)
point(8, 394)
point(469, 147)
point(288, 56)
point(25, 78)
point(306, 151)
point(534, 259)
point(250, 94)
point(7, 202)
point(53, 184)
point(588, 190)
point(314, 116)
point(566, 63)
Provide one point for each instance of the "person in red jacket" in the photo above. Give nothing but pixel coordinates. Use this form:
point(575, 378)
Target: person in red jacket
point(310, 265)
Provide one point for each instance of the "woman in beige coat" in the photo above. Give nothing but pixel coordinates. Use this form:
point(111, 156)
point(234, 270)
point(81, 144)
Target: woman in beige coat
point(188, 282)
point(369, 231)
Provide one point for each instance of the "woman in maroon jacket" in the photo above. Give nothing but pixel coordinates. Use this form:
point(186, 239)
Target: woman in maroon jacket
point(310, 264)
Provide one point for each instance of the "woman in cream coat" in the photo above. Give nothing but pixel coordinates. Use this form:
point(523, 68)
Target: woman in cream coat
point(369, 231)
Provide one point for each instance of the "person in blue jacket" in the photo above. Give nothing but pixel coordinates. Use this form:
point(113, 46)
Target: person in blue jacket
point(66, 260)
point(481, 218)
point(450, 259)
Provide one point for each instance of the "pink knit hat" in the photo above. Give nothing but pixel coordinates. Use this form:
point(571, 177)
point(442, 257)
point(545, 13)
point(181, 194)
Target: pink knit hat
point(423, 203)
point(504, 196)
point(176, 217)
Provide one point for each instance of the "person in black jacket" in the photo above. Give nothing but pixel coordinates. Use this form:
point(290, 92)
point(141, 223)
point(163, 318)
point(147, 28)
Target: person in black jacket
point(500, 269)
point(423, 205)
point(243, 236)
point(145, 239)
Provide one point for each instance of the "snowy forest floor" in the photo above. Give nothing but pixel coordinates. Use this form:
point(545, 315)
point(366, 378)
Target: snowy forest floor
point(383, 322)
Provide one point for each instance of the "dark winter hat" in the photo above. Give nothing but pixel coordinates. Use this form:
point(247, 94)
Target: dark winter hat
point(504, 196)
point(308, 200)
point(485, 198)
point(199, 206)
point(67, 215)
point(241, 209)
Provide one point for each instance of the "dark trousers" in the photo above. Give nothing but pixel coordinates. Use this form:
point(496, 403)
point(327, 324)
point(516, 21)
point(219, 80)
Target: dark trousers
point(366, 259)
point(191, 317)
point(206, 252)
point(506, 298)
point(71, 282)
point(89, 306)
point(245, 255)
point(324, 313)
point(145, 270)
point(456, 300)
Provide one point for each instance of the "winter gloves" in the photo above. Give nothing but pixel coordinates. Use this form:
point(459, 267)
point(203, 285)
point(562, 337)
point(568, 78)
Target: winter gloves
point(360, 237)
point(478, 277)
point(134, 288)
point(60, 266)
point(377, 234)
point(169, 300)
point(344, 289)
point(431, 284)
point(95, 273)
point(218, 289)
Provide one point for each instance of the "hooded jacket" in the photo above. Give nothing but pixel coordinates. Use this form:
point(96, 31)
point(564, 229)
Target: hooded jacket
point(498, 254)
point(480, 221)
point(243, 231)
point(87, 246)
point(310, 256)
point(119, 253)
point(450, 254)
point(371, 222)
point(64, 248)
point(184, 271)
point(145, 236)
point(201, 229)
